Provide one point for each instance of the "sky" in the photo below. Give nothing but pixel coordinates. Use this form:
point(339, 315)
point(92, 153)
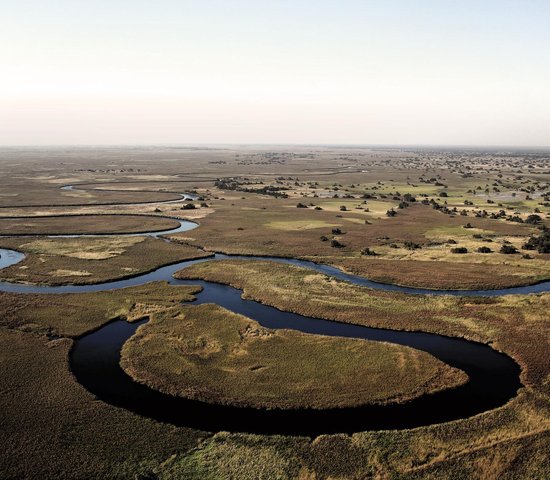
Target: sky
point(414, 72)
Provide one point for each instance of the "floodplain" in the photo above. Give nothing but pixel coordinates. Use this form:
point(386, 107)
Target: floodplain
point(431, 218)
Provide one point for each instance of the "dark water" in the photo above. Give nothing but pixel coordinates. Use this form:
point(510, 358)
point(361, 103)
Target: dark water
point(165, 274)
point(494, 378)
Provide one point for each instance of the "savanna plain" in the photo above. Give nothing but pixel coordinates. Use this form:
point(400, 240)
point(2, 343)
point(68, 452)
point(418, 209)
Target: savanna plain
point(433, 219)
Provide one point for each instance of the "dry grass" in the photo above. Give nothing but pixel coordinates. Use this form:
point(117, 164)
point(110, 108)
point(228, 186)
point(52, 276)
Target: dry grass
point(83, 312)
point(52, 428)
point(61, 432)
point(90, 260)
point(84, 224)
point(211, 354)
point(264, 226)
point(515, 324)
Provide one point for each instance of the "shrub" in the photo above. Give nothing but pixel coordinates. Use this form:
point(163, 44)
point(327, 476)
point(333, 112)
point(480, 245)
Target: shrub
point(343, 208)
point(367, 251)
point(189, 206)
point(411, 245)
point(508, 249)
point(484, 250)
point(336, 244)
point(301, 205)
point(391, 213)
point(336, 231)
point(459, 250)
point(323, 238)
point(533, 219)
point(540, 243)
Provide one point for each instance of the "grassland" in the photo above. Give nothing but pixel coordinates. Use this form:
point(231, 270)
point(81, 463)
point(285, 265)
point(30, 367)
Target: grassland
point(91, 439)
point(90, 259)
point(52, 428)
point(263, 226)
point(515, 324)
point(210, 354)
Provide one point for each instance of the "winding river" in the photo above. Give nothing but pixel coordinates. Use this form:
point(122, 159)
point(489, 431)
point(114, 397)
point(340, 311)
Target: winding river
point(493, 376)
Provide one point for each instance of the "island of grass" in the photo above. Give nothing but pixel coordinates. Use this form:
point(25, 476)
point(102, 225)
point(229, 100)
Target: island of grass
point(85, 260)
point(85, 224)
point(210, 354)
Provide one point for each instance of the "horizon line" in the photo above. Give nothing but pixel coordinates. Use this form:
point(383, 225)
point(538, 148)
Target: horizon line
point(279, 144)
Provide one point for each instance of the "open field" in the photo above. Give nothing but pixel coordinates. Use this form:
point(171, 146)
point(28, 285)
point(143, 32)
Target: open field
point(263, 226)
point(327, 204)
point(210, 354)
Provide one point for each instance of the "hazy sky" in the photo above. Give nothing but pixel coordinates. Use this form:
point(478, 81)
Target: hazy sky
point(300, 71)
